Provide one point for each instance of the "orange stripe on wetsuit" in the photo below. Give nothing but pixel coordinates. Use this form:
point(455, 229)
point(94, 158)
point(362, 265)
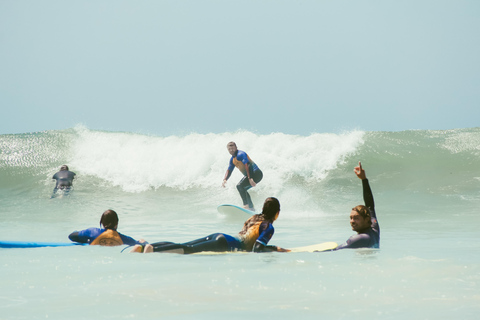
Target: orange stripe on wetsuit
point(239, 163)
point(108, 238)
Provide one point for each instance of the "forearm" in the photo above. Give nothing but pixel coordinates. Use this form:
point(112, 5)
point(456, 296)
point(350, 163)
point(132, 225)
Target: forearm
point(227, 175)
point(247, 169)
point(258, 247)
point(368, 195)
point(74, 236)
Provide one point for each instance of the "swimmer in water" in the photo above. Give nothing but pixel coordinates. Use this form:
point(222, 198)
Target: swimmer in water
point(106, 235)
point(64, 179)
point(363, 219)
point(255, 235)
point(252, 174)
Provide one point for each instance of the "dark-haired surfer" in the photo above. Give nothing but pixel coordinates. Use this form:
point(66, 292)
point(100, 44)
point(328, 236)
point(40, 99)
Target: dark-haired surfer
point(64, 179)
point(106, 236)
point(363, 219)
point(252, 174)
point(255, 235)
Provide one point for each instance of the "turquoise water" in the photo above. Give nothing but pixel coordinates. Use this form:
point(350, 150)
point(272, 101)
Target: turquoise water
point(426, 186)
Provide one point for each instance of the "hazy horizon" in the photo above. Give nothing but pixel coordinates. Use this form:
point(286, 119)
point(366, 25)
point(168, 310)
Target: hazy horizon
point(298, 67)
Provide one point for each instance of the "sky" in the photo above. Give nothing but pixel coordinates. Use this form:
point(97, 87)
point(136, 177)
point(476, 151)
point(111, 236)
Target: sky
point(175, 67)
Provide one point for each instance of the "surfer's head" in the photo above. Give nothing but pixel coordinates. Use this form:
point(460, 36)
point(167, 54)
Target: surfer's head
point(232, 148)
point(109, 220)
point(271, 208)
point(64, 168)
point(360, 218)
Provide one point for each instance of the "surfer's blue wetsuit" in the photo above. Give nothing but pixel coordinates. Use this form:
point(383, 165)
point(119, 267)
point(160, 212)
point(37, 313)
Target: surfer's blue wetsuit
point(221, 242)
point(370, 237)
point(64, 180)
point(90, 234)
point(242, 161)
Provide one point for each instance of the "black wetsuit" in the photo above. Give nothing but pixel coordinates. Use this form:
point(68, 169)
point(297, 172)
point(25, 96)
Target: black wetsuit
point(244, 185)
point(64, 180)
point(370, 237)
point(221, 242)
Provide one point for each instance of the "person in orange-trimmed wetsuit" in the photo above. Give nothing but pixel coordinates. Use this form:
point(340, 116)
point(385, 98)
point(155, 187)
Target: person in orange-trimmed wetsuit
point(254, 236)
point(106, 236)
point(252, 174)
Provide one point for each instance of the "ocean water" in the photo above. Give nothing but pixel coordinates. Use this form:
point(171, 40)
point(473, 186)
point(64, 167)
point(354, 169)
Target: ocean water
point(426, 186)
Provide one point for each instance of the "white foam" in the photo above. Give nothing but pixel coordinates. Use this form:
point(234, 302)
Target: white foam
point(139, 162)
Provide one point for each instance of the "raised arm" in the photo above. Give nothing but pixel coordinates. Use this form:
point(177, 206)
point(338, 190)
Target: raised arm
point(367, 192)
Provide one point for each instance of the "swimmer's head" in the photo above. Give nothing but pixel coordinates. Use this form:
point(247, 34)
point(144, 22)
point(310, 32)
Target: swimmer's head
point(271, 207)
point(109, 220)
point(64, 168)
point(363, 211)
point(360, 218)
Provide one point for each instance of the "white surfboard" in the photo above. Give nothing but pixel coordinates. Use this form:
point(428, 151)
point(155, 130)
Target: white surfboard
point(319, 247)
point(230, 209)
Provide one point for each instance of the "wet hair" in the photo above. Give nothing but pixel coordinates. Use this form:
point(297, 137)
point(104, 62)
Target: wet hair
point(363, 211)
point(64, 167)
point(109, 220)
point(231, 143)
point(270, 208)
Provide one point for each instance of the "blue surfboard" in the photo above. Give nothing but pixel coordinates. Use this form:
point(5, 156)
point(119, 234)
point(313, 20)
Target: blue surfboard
point(231, 209)
point(34, 244)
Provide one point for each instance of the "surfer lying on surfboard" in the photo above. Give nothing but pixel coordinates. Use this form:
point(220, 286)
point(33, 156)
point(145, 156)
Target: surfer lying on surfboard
point(363, 219)
point(256, 233)
point(106, 236)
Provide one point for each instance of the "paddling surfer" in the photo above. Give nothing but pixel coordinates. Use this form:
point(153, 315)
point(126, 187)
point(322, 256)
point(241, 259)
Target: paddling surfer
point(106, 236)
point(254, 236)
point(64, 179)
point(252, 174)
point(363, 219)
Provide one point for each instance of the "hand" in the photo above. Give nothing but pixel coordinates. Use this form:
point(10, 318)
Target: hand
point(360, 172)
point(252, 183)
point(283, 250)
point(224, 182)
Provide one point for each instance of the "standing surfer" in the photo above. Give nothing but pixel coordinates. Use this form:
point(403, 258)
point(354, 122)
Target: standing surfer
point(252, 174)
point(363, 219)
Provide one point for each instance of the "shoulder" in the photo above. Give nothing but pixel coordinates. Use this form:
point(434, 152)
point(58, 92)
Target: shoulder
point(127, 240)
point(360, 240)
point(266, 225)
point(93, 232)
point(241, 154)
